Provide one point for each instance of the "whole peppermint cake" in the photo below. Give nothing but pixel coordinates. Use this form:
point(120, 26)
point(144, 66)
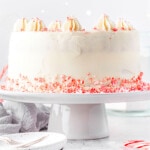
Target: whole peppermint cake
point(64, 57)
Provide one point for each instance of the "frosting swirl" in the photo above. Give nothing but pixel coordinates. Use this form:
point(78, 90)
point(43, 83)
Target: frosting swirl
point(55, 26)
point(124, 25)
point(105, 24)
point(72, 24)
point(35, 24)
point(20, 25)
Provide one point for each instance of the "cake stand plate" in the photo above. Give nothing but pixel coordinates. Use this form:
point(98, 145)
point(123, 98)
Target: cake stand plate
point(79, 116)
point(74, 98)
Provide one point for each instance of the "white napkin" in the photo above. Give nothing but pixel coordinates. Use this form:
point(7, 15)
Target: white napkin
point(22, 117)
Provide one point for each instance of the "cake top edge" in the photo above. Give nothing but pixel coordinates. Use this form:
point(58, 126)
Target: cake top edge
point(71, 24)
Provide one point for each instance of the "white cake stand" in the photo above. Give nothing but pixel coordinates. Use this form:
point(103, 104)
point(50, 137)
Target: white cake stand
point(79, 116)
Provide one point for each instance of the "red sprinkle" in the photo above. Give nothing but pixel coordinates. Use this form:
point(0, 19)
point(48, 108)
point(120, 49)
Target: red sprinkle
point(95, 28)
point(115, 29)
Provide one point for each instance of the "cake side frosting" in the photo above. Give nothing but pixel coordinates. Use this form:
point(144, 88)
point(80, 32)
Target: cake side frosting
point(50, 53)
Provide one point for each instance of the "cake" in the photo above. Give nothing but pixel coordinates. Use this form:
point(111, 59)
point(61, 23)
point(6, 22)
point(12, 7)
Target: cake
point(64, 57)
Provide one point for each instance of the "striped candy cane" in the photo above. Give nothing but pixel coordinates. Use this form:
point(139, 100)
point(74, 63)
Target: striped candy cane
point(2, 73)
point(137, 145)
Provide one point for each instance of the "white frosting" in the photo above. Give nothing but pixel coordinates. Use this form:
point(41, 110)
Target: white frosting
point(35, 24)
point(124, 25)
point(105, 23)
point(47, 54)
point(20, 25)
point(71, 24)
point(55, 26)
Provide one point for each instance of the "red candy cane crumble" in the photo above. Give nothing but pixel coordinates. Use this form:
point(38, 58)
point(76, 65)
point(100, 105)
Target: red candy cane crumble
point(69, 84)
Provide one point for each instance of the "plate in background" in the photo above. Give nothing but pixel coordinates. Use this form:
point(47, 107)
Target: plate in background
point(54, 141)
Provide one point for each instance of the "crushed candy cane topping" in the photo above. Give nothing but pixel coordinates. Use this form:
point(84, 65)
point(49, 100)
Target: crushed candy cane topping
point(69, 84)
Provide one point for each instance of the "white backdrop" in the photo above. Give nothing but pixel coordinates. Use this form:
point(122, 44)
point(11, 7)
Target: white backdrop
point(87, 11)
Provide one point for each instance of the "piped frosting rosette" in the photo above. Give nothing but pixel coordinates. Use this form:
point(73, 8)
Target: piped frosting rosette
point(105, 23)
point(71, 24)
point(34, 24)
point(124, 25)
point(55, 26)
point(20, 25)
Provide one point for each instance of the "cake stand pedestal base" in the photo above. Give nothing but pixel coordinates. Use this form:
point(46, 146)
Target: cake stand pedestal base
point(79, 121)
point(79, 116)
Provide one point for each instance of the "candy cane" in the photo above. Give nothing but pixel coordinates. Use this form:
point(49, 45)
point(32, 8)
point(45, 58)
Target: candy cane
point(137, 145)
point(3, 72)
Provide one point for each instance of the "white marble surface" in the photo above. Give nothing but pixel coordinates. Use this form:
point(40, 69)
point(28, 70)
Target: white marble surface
point(121, 129)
